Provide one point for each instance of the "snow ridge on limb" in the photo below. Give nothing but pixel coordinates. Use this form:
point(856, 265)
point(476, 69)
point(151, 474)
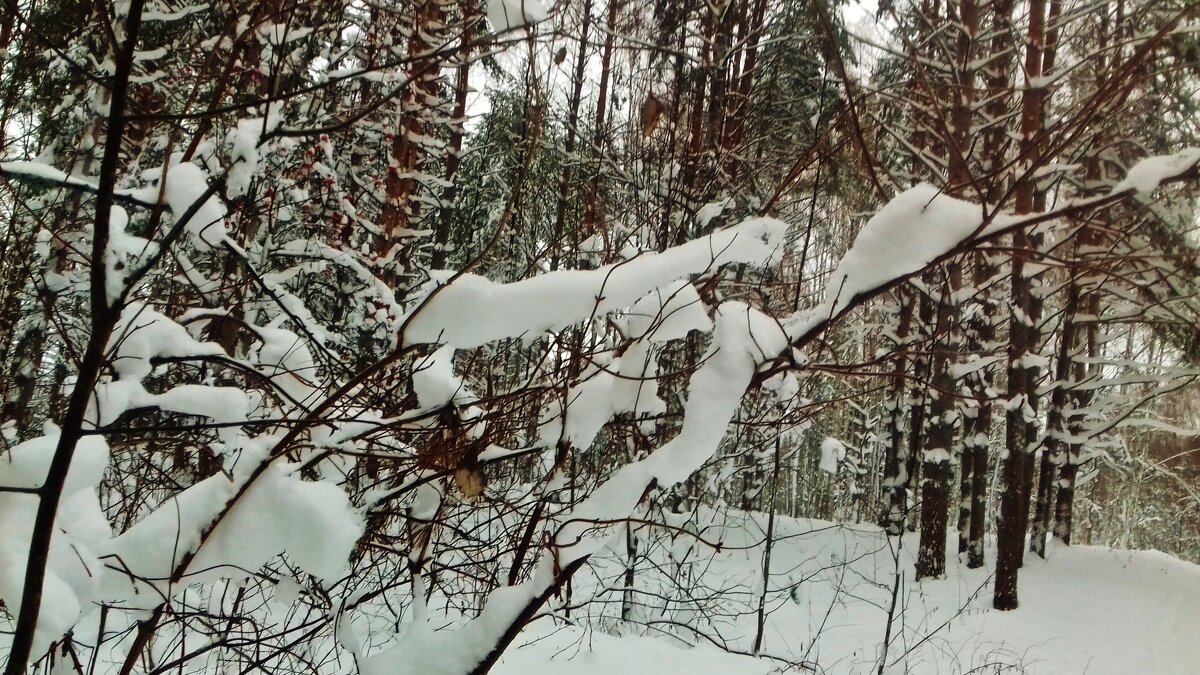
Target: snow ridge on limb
point(312, 522)
point(1149, 173)
point(907, 234)
point(628, 382)
point(469, 310)
point(921, 226)
point(185, 191)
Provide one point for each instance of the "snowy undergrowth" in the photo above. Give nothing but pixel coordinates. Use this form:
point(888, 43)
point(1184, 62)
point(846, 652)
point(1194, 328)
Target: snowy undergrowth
point(1083, 610)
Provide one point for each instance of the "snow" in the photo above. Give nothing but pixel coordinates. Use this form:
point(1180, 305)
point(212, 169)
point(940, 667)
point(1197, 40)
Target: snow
point(508, 14)
point(243, 142)
point(312, 522)
point(742, 339)
point(278, 33)
point(42, 171)
point(470, 310)
point(706, 213)
point(286, 359)
point(1146, 175)
point(219, 404)
point(166, 17)
point(816, 615)
point(936, 456)
point(568, 650)
point(126, 254)
point(623, 384)
point(626, 383)
point(972, 365)
point(913, 229)
point(423, 651)
point(380, 293)
point(435, 383)
point(833, 452)
point(143, 334)
point(71, 576)
point(26, 465)
point(186, 185)
point(668, 313)
point(1083, 610)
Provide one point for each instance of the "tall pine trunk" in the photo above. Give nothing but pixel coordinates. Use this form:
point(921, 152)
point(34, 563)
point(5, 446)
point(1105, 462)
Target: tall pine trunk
point(1041, 520)
point(935, 459)
point(1021, 416)
point(896, 477)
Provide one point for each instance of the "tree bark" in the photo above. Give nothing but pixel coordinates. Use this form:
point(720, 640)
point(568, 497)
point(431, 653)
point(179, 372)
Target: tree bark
point(441, 235)
point(1054, 447)
point(593, 208)
point(1014, 502)
point(939, 437)
point(896, 477)
point(572, 130)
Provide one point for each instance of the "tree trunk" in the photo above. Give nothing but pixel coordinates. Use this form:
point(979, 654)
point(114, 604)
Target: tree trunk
point(593, 218)
point(441, 235)
point(1083, 343)
point(939, 437)
point(1041, 520)
point(896, 477)
point(1014, 503)
point(569, 159)
point(1054, 447)
point(411, 143)
point(962, 102)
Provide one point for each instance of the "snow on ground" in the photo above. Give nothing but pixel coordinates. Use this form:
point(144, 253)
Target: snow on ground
point(1083, 610)
point(570, 651)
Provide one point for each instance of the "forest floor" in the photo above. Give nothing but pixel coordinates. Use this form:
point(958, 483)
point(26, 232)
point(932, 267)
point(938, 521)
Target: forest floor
point(1084, 610)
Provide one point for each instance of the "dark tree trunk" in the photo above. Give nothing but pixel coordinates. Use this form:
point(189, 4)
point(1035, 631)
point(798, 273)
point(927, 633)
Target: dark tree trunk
point(993, 183)
point(409, 150)
point(564, 179)
point(1041, 521)
point(593, 218)
point(979, 471)
point(977, 423)
point(935, 461)
point(1068, 470)
point(1021, 416)
point(965, 482)
point(441, 235)
point(1054, 450)
point(896, 476)
point(962, 102)
point(918, 412)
